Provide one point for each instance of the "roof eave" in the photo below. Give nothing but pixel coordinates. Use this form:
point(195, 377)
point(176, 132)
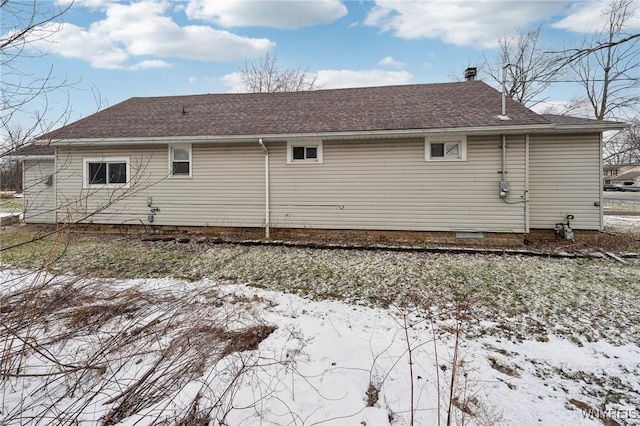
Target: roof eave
point(30, 157)
point(597, 127)
point(368, 134)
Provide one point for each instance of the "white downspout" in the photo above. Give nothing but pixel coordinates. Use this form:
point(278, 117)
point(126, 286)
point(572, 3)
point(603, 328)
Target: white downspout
point(526, 183)
point(601, 198)
point(267, 204)
point(55, 185)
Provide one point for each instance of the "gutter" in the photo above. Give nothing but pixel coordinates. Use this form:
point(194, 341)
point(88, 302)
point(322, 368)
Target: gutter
point(267, 201)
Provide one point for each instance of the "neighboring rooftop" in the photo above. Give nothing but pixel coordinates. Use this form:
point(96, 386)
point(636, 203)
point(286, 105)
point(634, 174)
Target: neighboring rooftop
point(418, 106)
point(628, 176)
point(567, 119)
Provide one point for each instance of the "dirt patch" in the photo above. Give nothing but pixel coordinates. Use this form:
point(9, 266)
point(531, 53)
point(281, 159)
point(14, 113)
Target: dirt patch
point(246, 339)
point(504, 369)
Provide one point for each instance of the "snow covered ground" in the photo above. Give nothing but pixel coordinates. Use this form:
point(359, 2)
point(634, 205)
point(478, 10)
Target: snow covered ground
point(90, 351)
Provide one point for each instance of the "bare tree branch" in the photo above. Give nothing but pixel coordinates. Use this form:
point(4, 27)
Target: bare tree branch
point(624, 146)
point(26, 95)
point(607, 64)
point(529, 72)
point(266, 76)
point(574, 55)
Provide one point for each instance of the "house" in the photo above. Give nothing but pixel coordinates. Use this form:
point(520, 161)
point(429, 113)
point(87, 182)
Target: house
point(622, 174)
point(626, 174)
point(453, 157)
point(609, 172)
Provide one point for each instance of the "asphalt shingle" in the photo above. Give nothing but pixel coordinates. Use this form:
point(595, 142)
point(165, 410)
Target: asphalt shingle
point(418, 106)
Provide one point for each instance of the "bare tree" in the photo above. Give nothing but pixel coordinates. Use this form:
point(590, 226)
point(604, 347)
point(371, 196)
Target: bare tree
point(11, 169)
point(624, 146)
point(25, 95)
point(267, 76)
point(528, 68)
point(607, 63)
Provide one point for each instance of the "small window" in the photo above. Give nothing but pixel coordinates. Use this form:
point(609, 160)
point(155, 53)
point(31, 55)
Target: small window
point(105, 172)
point(180, 160)
point(304, 152)
point(446, 148)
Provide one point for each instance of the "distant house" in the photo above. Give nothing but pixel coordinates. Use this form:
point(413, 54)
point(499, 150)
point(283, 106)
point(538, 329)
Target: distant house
point(622, 174)
point(424, 157)
point(609, 172)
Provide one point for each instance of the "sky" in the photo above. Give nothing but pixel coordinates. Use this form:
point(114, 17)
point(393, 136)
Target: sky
point(109, 51)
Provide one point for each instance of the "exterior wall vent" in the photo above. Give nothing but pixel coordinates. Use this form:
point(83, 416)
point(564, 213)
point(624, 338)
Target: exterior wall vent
point(469, 235)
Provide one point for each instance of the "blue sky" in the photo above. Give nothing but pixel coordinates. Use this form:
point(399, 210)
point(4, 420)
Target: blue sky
point(112, 51)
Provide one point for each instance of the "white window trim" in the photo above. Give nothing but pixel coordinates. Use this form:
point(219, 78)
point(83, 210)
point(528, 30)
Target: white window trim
point(85, 172)
point(306, 143)
point(170, 156)
point(462, 139)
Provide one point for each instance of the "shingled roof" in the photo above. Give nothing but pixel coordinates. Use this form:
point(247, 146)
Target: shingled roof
point(31, 150)
point(418, 106)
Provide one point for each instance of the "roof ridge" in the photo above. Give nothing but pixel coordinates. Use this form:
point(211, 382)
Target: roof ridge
point(319, 90)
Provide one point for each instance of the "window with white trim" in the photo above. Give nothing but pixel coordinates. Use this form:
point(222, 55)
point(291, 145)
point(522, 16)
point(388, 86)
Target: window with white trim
point(180, 160)
point(445, 148)
point(105, 172)
point(304, 152)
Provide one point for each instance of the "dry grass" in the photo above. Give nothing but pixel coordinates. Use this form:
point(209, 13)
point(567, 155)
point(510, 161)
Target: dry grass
point(523, 297)
point(10, 205)
point(148, 344)
point(181, 335)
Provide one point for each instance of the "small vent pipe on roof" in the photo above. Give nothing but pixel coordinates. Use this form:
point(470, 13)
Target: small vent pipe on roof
point(503, 115)
point(504, 90)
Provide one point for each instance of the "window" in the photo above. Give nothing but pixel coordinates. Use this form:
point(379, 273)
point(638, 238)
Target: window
point(304, 152)
point(180, 160)
point(445, 148)
point(106, 172)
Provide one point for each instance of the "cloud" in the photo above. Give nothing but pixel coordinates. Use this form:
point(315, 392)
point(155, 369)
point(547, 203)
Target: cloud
point(148, 64)
point(72, 41)
point(575, 108)
point(234, 82)
point(589, 17)
point(389, 61)
point(90, 4)
point(462, 23)
point(337, 79)
point(142, 30)
point(273, 13)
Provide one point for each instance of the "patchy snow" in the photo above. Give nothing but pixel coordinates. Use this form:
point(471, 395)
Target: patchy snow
point(622, 221)
point(322, 364)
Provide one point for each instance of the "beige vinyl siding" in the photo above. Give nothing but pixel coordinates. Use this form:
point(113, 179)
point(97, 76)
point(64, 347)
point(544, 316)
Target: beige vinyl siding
point(376, 184)
point(388, 185)
point(39, 198)
point(226, 187)
point(565, 179)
